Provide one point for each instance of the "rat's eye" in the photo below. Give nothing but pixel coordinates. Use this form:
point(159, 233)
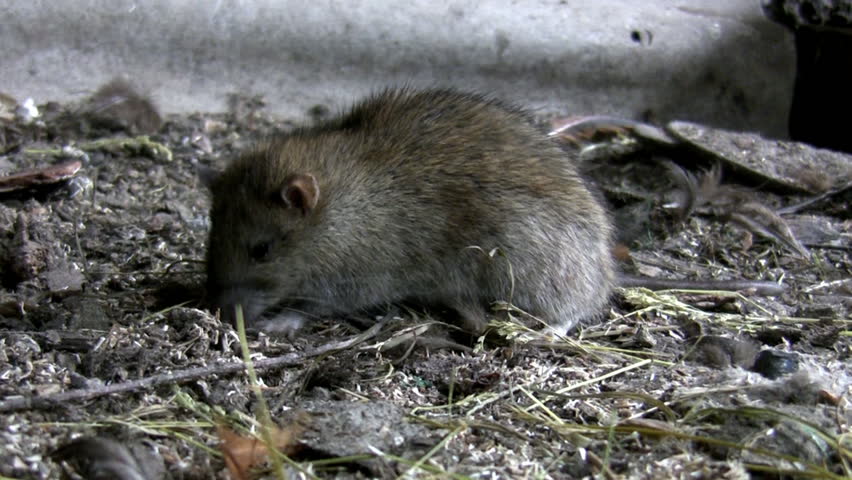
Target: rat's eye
point(259, 251)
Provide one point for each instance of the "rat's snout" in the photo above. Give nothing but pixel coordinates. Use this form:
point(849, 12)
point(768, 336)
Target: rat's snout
point(258, 316)
point(246, 300)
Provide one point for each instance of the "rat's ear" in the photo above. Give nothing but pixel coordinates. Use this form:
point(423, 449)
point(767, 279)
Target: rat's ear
point(301, 191)
point(207, 175)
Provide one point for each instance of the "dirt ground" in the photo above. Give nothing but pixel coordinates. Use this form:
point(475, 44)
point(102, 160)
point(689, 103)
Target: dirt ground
point(102, 286)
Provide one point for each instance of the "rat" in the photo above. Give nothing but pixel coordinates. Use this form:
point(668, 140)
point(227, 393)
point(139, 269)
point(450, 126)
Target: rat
point(118, 105)
point(435, 196)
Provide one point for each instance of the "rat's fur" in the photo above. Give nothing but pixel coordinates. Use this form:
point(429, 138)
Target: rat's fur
point(402, 199)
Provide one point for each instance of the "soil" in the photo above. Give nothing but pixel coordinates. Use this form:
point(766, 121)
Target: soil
point(102, 284)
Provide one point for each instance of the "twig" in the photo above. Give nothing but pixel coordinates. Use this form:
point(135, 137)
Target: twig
point(758, 287)
point(823, 246)
point(600, 464)
point(179, 376)
point(822, 285)
point(810, 201)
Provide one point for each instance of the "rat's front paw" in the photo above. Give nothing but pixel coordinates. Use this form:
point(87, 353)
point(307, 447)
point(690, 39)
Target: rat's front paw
point(284, 324)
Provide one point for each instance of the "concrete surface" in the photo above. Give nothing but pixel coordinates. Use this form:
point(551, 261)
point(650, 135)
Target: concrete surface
point(720, 62)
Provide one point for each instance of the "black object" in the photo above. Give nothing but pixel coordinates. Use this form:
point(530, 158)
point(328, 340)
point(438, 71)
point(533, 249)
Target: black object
point(822, 98)
point(773, 363)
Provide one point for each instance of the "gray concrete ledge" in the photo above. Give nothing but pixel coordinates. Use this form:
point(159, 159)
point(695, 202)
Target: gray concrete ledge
point(720, 63)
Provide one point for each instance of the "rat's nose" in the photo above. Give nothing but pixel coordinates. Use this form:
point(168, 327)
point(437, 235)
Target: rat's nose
point(232, 299)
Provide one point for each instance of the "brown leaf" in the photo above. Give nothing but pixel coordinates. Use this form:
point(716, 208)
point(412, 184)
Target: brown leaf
point(245, 453)
point(241, 453)
point(621, 252)
point(40, 176)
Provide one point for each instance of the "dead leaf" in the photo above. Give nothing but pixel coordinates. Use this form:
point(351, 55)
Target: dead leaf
point(244, 453)
point(241, 453)
point(40, 176)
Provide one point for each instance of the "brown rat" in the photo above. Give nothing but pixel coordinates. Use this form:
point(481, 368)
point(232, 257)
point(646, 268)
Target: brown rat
point(405, 198)
point(118, 105)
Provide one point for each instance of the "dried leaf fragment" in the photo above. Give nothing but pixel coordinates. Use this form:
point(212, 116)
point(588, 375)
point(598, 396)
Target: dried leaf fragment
point(48, 175)
point(244, 453)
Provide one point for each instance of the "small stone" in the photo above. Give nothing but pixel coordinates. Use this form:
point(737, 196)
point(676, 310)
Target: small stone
point(773, 363)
